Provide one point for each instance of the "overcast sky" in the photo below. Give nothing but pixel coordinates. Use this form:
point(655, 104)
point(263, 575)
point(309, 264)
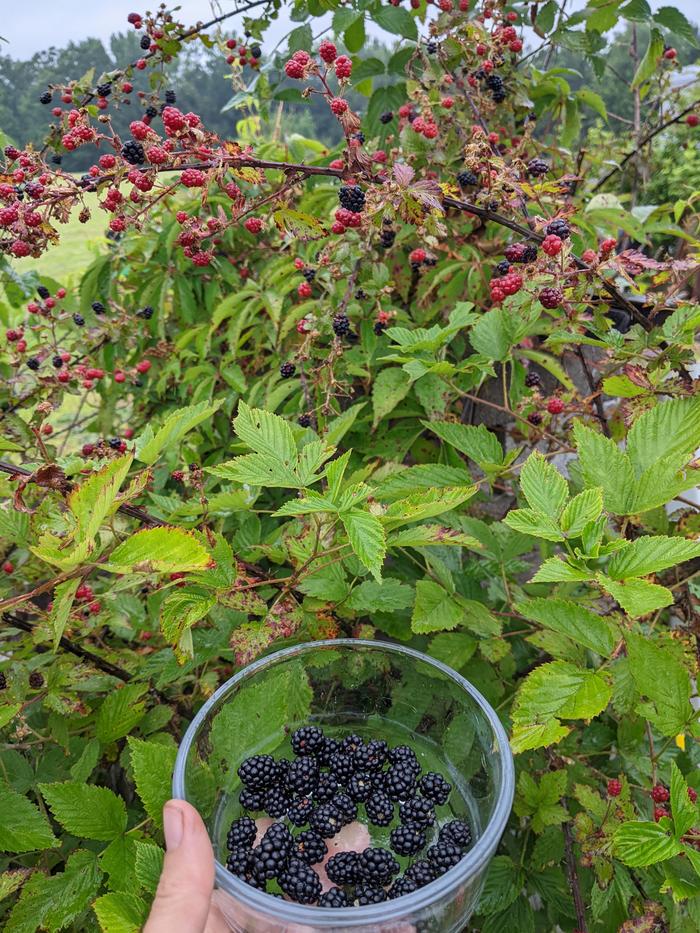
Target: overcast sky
point(30, 26)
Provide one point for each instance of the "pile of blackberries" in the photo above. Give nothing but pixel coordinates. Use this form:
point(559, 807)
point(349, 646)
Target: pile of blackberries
point(321, 790)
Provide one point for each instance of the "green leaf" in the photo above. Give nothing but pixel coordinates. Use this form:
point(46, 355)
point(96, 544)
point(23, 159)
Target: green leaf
point(649, 64)
point(181, 609)
point(148, 865)
point(354, 35)
point(604, 465)
point(53, 902)
point(491, 335)
point(386, 596)
point(431, 536)
point(121, 710)
point(556, 570)
point(339, 427)
point(86, 811)
point(636, 11)
point(10, 881)
point(555, 691)
point(672, 18)
point(23, 827)
point(435, 610)
point(650, 555)
point(659, 675)
point(367, 539)
point(501, 887)
point(541, 801)
point(300, 38)
point(543, 486)
point(638, 843)
point(396, 20)
point(118, 861)
point(583, 508)
point(669, 430)
point(528, 522)
point(683, 810)
point(575, 621)
point(158, 550)
point(152, 764)
point(312, 503)
point(390, 387)
point(63, 596)
point(477, 442)
point(426, 504)
point(637, 597)
point(265, 433)
point(121, 912)
point(409, 480)
point(149, 446)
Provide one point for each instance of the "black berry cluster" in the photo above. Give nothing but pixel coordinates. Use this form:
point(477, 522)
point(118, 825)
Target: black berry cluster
point(352, 198)
point(330, 783)
point(133, 153)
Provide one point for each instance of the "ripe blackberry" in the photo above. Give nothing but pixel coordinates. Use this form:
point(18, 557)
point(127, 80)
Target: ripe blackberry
point(98, 307)
point(379, 327)
point(255, 51)
point(145, 43)
point(377, 866)
point(444, 856)
point(57, 362)
point(352, 198)
point(300, 882)
point(115, 443)
point(379, 808)
point(407, 839)
point(309, 274)
point(287, 370)
point(241, 833)
point(258, 772)
point(46, 97)
point(343, 868)
point(434, 787)
point(170, 96)
point(386, 117)
point(239, 860)
point(56, 159)
point(309, 847)
point(537, 167)
point(43, 292)
point(326, 820)
point(104, 90)
point(304, 421)
point(36, 680)
point(535, 418)
point(371, 757)
point(132, 151)
point(325, 789)
point(387, 238)
point(342, 766)
point(346, 806)
point(400, 781)
point(334, 897)
point(369, 894)
point(551, 298)
point(308, 740)
point(404, 755)
point(529, 253)
point(432, 46)
point(532, 379)
point(33, 363)
point(151, 111)
point(559, 227)
point(251, 800)
point(402, 886)
point(467, 179)
point(498, 95)
point(299, 811)
point(503, 267)
point(146, 313)
point(419, 810)
point(351, 743)
point(329, 747)
point(3, 681)
point(270, 857)
point(360, 786)
point(276, 801)
point(421, 872)
point(302, 777)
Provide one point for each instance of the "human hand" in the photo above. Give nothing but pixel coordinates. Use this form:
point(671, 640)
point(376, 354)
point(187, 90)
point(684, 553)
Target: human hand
point(183, 901)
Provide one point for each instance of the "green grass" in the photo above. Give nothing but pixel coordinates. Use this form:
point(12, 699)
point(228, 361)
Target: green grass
point(77, 247)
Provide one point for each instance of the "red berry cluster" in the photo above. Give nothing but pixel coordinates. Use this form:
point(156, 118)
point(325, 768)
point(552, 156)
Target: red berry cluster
point(509, 284)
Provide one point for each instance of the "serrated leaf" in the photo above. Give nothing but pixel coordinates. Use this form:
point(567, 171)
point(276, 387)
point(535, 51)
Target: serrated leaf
point(23, 826)
point(117, 860)
point(94, 499)
point(409, 480)
point(152, 764)
point(390, 387)
point(426, 504)
point(683, 811)
point(593, 100)
point(604, 465)
point(312, 503)
point(121, 710)
point(649, 63)
point(556, 570)
point(585, 627)
point(182, 609)
point(543, 486)
point(477, 442)
point(435, 610)
point(528, 522)
point(158, 550)
point(650, 555)
point(63, 596)
point(85, 810)
point(148, 865)
point(174, 428)
point(432, 536)
point(638, 843)
point(661, 677)
point(669, 430)
point(337, 428)
point(637, 597)
point(367, 539)
point(501, 887)
point(672, 18)
point(120, 912)
point(396, 20)
point(582, 509)
point(53, 902)
point(387, 596)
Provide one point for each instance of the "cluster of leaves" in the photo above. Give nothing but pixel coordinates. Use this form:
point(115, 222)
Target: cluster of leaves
point(412, 480)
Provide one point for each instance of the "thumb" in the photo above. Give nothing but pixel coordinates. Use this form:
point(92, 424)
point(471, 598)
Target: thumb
point(183, 898)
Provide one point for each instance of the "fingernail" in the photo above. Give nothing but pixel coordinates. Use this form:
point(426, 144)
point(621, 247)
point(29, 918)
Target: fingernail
point(173, 826)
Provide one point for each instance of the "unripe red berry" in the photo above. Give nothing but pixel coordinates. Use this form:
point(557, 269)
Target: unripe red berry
point(607, 246)
point(64, 376)
point(127, 87)
point(516, 45)
point(193, 178)
point(337, 164)
point(660, 813)
point(589, 256)
point(294, 69)
point(464, 5)
point(94, 607)
point(446, 6)
point(298, 263)
point(141, 64)
point(21, 346)
point(338, 106)
point(692, 794)
point(128, 433)
point(447, 102)
point(338, 227)
point(670, 54)
point(343, 67)
point(417, 255)
point(61, 293)
point(119, 376)
point(692, 119)
point(253, 225)
point(181, 217)
point(143, 366)
point(555, 406)
point(231, 43)
point(614, 787)
point(88, 449)
point(551, 298)
point(8, 567)
point(659, 794)
point(551, 245)
point(494, 138)
point(304, 290)
point(487, 66)
point(327, 51)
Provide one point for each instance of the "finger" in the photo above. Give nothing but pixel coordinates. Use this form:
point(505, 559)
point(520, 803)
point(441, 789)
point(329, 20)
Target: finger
point(183, 897)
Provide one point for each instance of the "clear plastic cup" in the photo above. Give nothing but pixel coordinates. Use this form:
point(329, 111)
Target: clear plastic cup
point(377, 690)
